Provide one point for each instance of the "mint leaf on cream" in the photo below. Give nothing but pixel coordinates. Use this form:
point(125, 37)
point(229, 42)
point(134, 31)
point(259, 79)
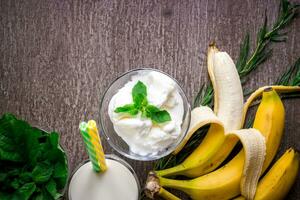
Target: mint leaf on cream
point(140, 104)
point(128, 108)
point(139, 95)
point(157, 115)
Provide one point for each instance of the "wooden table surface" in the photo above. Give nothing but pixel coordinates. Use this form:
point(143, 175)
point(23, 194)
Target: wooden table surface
point(58, 56)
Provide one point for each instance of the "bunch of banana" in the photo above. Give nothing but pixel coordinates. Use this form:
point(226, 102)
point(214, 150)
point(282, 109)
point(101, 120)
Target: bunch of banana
point(241, 174)
point(224, 183)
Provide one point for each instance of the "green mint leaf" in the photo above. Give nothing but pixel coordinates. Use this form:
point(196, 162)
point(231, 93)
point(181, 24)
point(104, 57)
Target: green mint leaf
point(60, 174)
point(15, 184)
point(128, 108)
point(42, 173)
point(139, 95)
point(157, 115)
point(26, 190)
point(51, 188)
point(38, 196)
point(152, 109)
point(54, 138)
point(25, 177)
point(140, 101)
point(161, 116)
point(10, 156)
point(44, 195)
point(59, 170)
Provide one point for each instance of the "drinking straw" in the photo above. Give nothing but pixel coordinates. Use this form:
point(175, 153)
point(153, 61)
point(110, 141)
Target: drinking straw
point(83, 127)
point(95, 138)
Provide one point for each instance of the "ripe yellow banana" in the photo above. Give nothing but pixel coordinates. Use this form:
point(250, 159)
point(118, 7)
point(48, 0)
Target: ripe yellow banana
point(224, 183)
point(228, 103)
point(278, 181)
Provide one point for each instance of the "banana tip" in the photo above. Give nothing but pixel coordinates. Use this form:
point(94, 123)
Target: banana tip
point(296, 150)
point(212, 47)
point(268, 89)
point(212, 44)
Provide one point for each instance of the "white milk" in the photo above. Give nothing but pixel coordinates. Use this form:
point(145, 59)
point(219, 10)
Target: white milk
point(114, 184)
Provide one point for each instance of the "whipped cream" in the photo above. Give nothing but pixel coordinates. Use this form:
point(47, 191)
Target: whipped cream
point(142, 135)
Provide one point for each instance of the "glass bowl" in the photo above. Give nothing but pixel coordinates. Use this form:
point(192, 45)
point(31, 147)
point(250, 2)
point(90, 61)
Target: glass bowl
point(115, 141)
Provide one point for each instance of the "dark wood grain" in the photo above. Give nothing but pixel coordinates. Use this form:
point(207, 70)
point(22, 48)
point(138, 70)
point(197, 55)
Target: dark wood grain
point(58, 56)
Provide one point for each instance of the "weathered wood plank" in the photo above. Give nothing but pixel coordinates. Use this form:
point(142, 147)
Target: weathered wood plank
point(57, 57)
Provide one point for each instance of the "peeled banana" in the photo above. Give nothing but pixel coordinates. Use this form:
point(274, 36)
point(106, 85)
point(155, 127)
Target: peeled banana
point(278, 181)
point(228, 107)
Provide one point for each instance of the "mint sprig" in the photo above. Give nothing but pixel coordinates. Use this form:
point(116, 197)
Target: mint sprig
point(32, 163)
point(140, 104)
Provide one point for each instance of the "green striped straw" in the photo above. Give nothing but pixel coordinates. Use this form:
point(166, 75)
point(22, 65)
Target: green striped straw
point(89, 146)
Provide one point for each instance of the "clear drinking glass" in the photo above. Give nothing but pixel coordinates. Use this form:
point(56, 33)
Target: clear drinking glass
point(115, 140)
point(108, 157)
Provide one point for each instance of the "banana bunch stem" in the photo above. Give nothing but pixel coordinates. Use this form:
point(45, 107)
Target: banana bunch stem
point(153, 188)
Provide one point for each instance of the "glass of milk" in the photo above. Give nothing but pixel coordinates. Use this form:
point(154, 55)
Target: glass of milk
point(136, 136)
point(118, 182)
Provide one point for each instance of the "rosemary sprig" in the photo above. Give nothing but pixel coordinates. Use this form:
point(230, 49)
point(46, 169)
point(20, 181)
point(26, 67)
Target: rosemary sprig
point(245, 65)
point(265, 36)
point(291, 76)
point(205, 96)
